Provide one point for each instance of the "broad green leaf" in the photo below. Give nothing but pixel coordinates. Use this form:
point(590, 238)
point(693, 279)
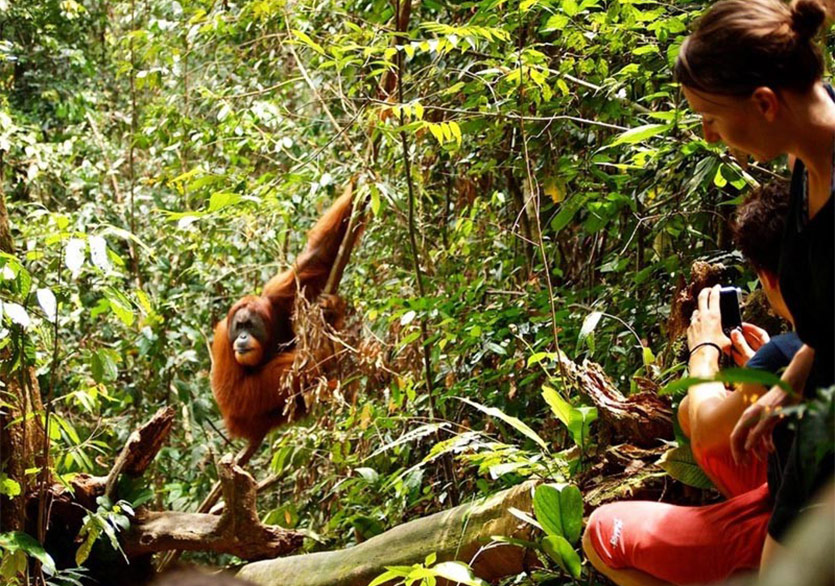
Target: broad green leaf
point(456, 131)
point(538, 357)
point(18, 540)
point(568, 208)
point(120, 305)
point(729, 376)
point(647, 355)
point(559, 508)
point(752, 376)
point(680, 464)
point(570, 7)
point(578, 420)
point(222, 199)
point(436, 132)
point(103, 365)
point(89, 533)
point(559, 550)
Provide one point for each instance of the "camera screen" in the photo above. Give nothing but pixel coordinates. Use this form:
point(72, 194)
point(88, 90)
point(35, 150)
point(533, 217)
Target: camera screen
point(729, 307)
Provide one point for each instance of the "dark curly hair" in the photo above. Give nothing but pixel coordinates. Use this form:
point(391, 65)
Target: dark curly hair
point(759, 225)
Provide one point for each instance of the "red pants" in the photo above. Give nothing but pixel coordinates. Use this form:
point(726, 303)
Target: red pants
point(689, 545)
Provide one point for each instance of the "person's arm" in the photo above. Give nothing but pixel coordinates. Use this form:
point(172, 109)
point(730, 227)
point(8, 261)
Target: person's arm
point(705, 339)
point(753, 430)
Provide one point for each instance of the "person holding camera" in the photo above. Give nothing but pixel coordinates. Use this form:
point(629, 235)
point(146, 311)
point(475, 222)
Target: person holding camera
point(649, 543)
point(753, 71)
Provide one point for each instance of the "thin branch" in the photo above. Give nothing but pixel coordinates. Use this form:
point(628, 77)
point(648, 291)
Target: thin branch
point(312, 86)
point(534, 193)
point(110, 170)
point(427, 359)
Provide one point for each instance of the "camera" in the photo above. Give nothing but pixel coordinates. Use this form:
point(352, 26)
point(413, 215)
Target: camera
point(729, 298)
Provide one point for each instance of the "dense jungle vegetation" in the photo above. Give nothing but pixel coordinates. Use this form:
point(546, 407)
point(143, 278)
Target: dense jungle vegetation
point(535, 184)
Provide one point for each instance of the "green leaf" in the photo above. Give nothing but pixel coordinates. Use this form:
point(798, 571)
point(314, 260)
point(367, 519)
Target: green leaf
point(222, 199)
point(538, 357)
point(559, 508)
point(120, 305)
point(389, 575)
point(559, 550)
point(568, 208)
point(457, 572)
point(640, 133)
point(9, 487)
point(570, 7)
point(13, 563)
point(304, 38)
point(375, 201)
point(556, 22)
point(680, 464)
point(20, 541)
point(752, 376)
point(578, 420)
point(103, 365)
point(510, 420)
point(456, 131)
point(587, 328)
point(436, 131)
point(729, 376)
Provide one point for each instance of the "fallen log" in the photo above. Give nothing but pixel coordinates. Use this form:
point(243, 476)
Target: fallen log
point(237, 530)
point(641, 419)
point(460, 534)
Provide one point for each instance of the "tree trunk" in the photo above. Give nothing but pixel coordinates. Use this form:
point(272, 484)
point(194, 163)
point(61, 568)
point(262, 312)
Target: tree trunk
point(21, 443)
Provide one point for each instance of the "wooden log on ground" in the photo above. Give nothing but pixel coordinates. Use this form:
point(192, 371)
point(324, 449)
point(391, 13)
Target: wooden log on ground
point(237, 530)
point(457, 534)
point(641, 419)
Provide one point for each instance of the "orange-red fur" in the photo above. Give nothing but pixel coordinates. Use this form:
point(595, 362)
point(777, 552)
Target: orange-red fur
point(252, 399)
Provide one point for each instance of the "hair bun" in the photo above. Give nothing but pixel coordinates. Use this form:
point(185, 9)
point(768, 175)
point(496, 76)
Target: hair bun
point(807, 18)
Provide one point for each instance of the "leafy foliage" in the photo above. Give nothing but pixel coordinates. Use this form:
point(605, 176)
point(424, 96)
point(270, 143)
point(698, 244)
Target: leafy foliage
point(160, 159)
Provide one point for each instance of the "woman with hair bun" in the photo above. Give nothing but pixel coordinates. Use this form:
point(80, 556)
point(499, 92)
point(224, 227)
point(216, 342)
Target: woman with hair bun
point(753, 71)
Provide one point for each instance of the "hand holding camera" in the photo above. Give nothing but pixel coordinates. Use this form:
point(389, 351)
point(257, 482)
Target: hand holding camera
point(717, 323)
point(706, 335)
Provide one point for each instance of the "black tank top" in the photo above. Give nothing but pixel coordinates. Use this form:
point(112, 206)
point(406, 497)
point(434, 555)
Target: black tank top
point(797, 469)
point(807, 274)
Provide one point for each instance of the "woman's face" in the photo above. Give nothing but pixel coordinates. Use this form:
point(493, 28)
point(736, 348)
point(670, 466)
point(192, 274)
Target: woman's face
point(741, 123)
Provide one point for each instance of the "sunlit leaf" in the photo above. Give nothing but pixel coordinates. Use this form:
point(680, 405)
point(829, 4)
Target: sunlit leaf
point(17, 314)
point(98, 252)
point(640, 133)
point(514, 422)
point(47, 301)
point(74, 254)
